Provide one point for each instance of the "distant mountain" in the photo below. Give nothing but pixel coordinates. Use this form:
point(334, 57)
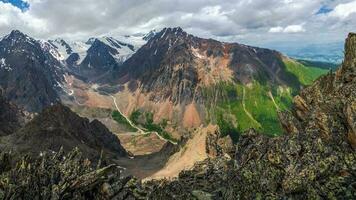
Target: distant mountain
point(29, 76)
point(329, 52)
point(207, 81)
point(68, 52)
point(103, 55)
point(96, 56)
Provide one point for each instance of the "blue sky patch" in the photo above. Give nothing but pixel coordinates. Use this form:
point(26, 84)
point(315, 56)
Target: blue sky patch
point(324, 10)
point(18, 3)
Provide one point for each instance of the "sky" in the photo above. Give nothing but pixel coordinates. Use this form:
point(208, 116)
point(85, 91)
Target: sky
point(254, 22)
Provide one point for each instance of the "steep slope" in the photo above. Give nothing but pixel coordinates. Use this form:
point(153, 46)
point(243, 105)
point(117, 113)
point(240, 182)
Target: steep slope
point(194, 150)
point(29, 76)
point(56, 127)
point(11, 119)
point(96, 56)
point(205, 80)
point(316, 160)
point(103, 55)
point(71, 53)
point(197, 63)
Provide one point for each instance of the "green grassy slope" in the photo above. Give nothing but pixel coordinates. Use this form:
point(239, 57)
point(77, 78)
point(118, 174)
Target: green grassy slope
point(256, 105)
point(255, 108)
point(306, 74)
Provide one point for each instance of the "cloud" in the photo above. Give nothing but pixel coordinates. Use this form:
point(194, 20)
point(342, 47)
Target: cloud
point(294, 29)
point(344, 10)
point(277, 29)
point(247, 21)
point(12, 17)
point(288, 29)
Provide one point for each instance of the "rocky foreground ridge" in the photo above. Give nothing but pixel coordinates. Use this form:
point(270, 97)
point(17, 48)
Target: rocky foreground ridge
point(315, 160)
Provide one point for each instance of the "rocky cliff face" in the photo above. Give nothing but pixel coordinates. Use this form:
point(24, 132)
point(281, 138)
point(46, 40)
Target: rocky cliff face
point(56, 127)
point(103, 55)
point(315, 160)
point(29, 76)
point(328, 107)
point(11, 119)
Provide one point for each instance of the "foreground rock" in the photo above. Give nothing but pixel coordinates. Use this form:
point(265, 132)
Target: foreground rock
point(63, 176)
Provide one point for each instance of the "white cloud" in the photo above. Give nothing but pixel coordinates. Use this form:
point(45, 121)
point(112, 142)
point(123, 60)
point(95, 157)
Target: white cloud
point(344, 10)
point(277, 29)
point(287, 29)
point(13, 18)
point(294, 29)
point(247, 21)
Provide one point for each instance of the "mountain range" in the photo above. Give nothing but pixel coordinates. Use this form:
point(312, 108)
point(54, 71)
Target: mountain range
point(331, 52)
point(315, 159)
point(166, 81)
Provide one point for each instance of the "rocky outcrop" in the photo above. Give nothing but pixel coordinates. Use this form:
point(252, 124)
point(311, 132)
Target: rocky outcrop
point(99, 59)
point(328, 106)
point(58, 127)
point(64, 176)
point(11, 119)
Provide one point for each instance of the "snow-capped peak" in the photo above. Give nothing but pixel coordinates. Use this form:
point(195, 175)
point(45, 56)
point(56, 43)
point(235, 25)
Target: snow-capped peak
point(124, 46)
point(66, 48)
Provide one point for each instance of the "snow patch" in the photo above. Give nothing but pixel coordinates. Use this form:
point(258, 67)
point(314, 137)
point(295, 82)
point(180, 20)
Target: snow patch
point(4, 66)
point(197, 54)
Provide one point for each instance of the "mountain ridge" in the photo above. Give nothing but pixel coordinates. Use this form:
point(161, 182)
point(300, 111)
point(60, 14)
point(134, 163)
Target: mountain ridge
point(57, 127)
point(198, 77)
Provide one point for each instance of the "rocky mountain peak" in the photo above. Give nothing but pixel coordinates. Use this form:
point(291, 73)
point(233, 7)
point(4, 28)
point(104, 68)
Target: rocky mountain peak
point(348, 70)
point(90, 41)
point(63, 43)
point(16, 33)
point(30, 73)
point(150, 35)
point(171, 33)
point(350, 47)
point(17, 36)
